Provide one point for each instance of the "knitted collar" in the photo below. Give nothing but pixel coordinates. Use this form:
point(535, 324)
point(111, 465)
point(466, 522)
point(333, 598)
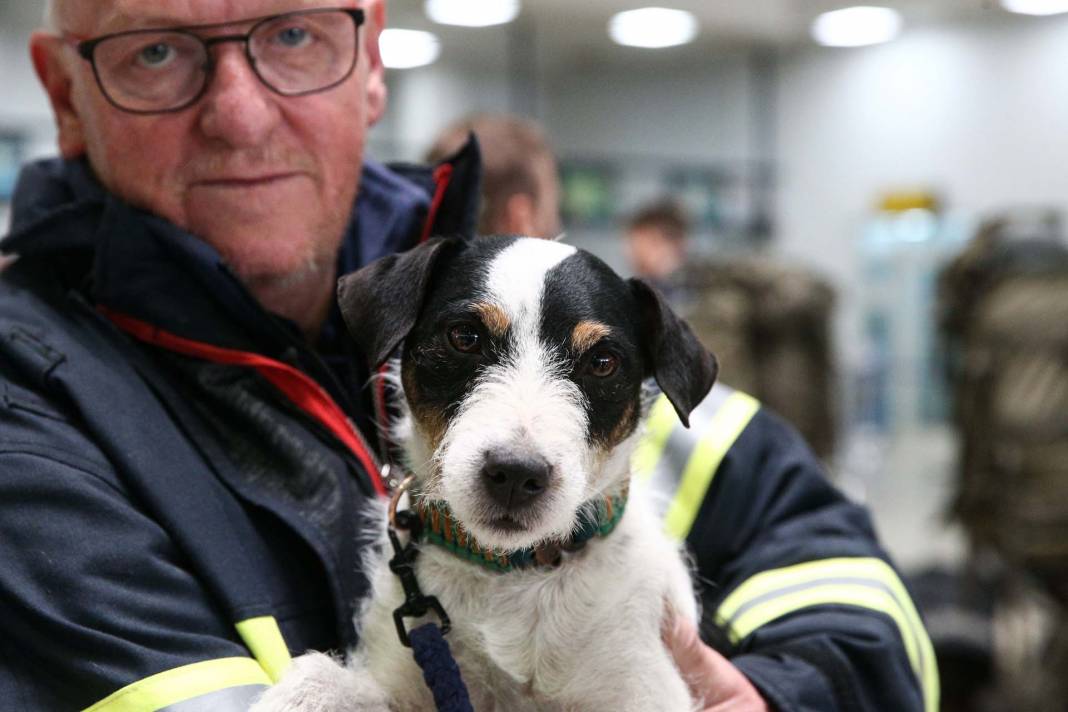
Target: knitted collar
point(598, 517)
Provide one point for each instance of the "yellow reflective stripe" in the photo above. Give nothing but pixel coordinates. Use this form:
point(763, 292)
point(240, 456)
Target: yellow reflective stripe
point(658, 426)
point(720, 433)
point(863, 582)
point(264, 639)
point(181, 684)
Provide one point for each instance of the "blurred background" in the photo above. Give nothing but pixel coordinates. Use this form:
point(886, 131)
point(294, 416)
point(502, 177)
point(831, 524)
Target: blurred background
point(872, 204)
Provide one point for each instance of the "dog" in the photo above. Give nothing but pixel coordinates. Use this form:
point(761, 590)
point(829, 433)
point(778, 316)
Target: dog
point(522, 372)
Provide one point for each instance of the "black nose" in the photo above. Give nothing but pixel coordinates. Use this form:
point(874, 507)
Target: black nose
point(514, 482)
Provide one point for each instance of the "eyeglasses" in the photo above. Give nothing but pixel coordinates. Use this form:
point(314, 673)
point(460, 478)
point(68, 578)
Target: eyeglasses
point(163, 70)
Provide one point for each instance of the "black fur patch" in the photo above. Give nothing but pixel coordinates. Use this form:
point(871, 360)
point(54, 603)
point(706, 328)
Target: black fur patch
point(436, 375)
point(583, 288)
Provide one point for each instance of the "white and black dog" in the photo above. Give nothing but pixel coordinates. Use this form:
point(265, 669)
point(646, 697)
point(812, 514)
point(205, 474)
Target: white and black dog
point(522, 371)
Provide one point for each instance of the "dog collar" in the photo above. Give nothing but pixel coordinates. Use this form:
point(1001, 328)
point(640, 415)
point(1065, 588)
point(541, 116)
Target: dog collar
point(598, 517)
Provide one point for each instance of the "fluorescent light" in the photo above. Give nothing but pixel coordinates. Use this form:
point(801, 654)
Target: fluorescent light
point(1036, 7)
point(856, 26)
point(472, 13)
point(653, 27)
point(404, 49)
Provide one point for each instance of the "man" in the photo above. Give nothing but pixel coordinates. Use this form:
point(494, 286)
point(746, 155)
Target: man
point(520, 187)
point(179, 469)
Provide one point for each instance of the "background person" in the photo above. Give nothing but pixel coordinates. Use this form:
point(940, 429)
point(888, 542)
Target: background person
point(520, 184)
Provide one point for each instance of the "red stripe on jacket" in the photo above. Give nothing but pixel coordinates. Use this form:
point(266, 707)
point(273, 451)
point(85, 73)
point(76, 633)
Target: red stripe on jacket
point(297, 386)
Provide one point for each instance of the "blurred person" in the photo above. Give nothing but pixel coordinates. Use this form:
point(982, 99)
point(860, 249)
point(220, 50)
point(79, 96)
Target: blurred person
point(520, 185)
point(182, 478)
point(656, 240)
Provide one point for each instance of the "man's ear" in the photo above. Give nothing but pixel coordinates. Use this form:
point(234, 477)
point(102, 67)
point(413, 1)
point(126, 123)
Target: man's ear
point(684, 369)
point(377, 93)
point(54, 73)
point(380, 302)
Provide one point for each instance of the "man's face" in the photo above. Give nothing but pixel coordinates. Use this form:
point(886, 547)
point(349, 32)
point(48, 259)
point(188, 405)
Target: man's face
point(268, 180)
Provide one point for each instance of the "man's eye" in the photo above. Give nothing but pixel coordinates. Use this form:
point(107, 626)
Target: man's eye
point(293, 37)
point(602, 365)
point(157, 55)
point(465, 339)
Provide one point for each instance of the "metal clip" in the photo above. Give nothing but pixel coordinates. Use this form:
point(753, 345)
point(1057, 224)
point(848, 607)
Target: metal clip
point(416, 604)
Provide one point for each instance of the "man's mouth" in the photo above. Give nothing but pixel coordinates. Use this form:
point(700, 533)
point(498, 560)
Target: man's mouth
point(250, 181)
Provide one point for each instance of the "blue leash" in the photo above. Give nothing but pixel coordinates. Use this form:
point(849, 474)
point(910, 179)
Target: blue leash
point(427, 642)
point(440, 672)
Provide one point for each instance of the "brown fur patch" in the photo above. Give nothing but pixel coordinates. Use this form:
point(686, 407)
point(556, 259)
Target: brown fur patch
point(624, 427)
point(495, 319)
point(586, 334)
point(430, 421)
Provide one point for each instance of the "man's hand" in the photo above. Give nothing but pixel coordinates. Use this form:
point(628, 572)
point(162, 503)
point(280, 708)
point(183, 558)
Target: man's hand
point(714, 682)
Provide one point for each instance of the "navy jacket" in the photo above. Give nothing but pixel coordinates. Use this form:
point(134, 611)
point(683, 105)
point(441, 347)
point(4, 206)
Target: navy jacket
point(175, 523)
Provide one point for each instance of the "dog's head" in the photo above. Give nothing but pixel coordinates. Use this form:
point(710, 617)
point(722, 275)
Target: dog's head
point(522, 367)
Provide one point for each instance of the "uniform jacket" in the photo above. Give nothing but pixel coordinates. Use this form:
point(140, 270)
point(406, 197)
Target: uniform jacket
point(181, 478)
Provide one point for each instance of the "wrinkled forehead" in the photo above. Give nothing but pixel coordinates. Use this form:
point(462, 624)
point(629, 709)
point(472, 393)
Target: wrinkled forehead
point(96, 17)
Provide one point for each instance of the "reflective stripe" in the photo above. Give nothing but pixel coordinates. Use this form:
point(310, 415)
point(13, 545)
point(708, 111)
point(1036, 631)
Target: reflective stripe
point(862, 582)
point(188, 682)
point(658, 426)
point(232, 699)
point(679, 463)
point(705, 458)
point(264, 639)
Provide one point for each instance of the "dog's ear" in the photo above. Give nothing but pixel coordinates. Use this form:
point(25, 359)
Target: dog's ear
point(380, 302)
point(684, 369)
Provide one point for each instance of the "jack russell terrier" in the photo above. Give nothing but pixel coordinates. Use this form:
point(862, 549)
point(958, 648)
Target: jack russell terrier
point(522, 369)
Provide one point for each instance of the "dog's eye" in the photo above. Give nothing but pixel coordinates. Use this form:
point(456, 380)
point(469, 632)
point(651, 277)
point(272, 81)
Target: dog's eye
point(602, 365)
point(465, 339)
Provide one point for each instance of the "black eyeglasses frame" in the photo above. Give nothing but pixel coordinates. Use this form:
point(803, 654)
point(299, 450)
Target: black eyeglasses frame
point(87, 47)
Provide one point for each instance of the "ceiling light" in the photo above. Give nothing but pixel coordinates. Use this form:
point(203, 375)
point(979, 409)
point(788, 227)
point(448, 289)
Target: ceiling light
point(856, 26)
point(472, 13)
point(1036, 7)
point(405, 49)
point(653, 27)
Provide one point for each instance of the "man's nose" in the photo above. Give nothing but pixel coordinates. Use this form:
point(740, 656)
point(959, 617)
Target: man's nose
point(237, 107)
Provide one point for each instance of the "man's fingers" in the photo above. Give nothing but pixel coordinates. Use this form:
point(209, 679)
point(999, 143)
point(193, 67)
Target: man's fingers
point(714, 682)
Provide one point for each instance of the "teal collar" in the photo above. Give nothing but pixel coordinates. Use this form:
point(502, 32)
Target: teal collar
point(598, 517)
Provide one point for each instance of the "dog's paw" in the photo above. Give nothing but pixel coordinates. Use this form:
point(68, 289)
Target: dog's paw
point(319, 683)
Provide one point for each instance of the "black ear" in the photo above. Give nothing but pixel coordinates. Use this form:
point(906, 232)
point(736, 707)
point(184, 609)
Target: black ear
point(380, 302)
point(684, 369)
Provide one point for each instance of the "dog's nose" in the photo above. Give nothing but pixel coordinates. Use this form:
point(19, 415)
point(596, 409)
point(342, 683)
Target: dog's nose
point(513, 482)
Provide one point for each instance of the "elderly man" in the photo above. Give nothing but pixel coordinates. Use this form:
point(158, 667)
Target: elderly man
point(179, 466)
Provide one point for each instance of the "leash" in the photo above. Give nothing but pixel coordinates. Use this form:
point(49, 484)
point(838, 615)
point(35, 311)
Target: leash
point(428, 644)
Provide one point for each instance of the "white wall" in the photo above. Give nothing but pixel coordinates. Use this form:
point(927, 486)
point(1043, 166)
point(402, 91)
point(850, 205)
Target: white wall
point(977, 112)
point(687, 112)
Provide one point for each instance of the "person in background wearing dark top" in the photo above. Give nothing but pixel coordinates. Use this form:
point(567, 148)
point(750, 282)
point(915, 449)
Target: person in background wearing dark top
point(180, 473)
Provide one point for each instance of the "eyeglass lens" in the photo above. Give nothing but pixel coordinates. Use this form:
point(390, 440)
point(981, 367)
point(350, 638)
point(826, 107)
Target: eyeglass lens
point(161, 70)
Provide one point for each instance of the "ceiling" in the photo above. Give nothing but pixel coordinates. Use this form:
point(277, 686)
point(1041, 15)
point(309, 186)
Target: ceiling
point(566, 33)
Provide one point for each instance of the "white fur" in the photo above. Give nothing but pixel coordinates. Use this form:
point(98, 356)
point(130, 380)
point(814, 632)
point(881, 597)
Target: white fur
point(582, 636)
